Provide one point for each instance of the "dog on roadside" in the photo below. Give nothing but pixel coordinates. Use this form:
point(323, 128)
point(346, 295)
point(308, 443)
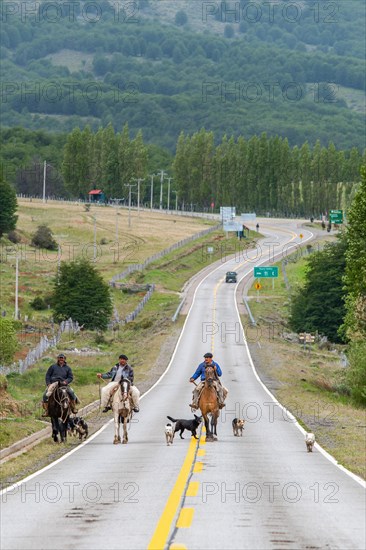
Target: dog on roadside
point(77, 426)
point(238, 426)
point(169, 434)
point(309, 440)
point(190, 425)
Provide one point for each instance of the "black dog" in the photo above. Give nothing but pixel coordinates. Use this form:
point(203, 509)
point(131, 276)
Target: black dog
point(190, 425)
point(77, 425)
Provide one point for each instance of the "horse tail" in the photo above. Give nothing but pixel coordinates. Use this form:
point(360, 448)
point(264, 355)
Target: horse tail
point(172, 419)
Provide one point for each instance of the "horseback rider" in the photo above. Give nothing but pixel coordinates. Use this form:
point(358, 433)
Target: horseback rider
point(201, 371)
point(120, 370)
point(59, 373)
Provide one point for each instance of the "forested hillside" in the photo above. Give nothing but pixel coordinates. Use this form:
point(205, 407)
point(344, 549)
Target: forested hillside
point(294, 70)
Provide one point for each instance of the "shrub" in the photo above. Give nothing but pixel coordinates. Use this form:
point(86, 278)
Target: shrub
point(8, 340)
point(38, 303)
point(43, 238)
point(14, 237)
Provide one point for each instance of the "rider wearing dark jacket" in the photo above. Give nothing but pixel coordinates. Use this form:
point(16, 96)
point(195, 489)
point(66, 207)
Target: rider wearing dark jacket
point(62, 373)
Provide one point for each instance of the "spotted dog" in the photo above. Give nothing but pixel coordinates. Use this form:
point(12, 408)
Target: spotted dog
point(238, 426)
point(77, 426)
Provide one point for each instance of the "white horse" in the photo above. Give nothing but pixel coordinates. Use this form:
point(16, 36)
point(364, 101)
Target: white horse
point(122, 410)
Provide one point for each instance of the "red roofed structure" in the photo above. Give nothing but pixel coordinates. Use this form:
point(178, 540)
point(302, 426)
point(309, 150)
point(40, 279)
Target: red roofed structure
point(96, 195)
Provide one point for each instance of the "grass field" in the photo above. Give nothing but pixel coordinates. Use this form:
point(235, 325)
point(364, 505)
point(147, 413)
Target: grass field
point(118, 245)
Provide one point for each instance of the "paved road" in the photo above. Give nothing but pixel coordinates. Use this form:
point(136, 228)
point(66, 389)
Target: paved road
point(260, 491)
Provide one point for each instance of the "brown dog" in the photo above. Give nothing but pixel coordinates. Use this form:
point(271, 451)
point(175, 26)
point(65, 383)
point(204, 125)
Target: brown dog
point(238, 426)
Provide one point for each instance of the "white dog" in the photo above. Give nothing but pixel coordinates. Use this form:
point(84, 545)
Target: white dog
point(310, 440)
point(169, 434)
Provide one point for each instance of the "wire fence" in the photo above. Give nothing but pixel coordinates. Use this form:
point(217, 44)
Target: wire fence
point(43, 345)
point(140, 267)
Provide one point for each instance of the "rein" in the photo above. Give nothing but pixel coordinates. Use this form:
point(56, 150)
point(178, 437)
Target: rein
point(56, 398)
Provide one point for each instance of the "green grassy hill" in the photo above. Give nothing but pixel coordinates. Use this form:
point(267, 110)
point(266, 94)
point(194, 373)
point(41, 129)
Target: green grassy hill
point(166, 66)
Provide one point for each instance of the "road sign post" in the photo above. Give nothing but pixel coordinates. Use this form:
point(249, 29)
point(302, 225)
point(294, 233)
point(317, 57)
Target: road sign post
point(266, 272)
point(258, 286)
point(336, 216)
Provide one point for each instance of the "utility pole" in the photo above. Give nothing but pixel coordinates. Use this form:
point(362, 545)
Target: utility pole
point(152, 190)
point(129, 185)
point(16, 312)
point(162, 174)
point(169, 180)
point(139, 180)
point(44, 180)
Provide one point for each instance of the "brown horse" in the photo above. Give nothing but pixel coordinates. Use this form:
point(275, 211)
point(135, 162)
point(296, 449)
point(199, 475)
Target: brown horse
point(122, 410)
point(209, 404)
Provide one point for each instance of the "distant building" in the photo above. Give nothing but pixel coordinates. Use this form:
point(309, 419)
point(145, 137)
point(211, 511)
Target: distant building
point(96, 195)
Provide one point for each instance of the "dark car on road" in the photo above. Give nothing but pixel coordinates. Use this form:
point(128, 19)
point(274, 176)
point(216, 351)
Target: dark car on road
point(231, 277)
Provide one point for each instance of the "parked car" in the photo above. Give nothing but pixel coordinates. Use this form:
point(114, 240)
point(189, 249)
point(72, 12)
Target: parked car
point(231, 277)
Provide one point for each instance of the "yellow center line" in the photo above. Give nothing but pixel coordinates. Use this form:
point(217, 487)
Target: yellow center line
point(163, 527)
point(185, 518)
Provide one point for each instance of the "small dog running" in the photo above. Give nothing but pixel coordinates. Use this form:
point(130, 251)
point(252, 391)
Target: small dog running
point(77, 426)
point(169, 434)
point(310, 440)
point(238, 426)
point(190, 425)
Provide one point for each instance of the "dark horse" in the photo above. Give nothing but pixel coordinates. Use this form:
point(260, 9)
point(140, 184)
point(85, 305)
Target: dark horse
point(209, 404)
point(59, 411)
point(122, 410)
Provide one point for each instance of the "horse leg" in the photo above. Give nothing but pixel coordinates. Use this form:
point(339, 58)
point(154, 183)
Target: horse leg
point(117, 438)
point(207, 426)
point(54, 429)
point(63, 430)
point(214, 425)
point(125, 435)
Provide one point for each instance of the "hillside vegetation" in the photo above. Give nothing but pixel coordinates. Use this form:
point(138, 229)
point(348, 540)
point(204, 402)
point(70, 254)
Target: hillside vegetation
point(168, 66)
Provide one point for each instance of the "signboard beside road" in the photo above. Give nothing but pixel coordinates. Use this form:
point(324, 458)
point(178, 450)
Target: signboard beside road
point(266, 272)
point(336, 216)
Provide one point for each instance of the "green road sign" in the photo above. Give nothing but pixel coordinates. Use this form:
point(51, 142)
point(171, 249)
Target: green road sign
point(265, 272)
point(336, 216)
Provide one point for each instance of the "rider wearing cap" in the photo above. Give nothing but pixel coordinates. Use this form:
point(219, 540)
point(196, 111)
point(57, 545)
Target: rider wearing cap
point(201, 371)
point(120, 370)
point(59, 373)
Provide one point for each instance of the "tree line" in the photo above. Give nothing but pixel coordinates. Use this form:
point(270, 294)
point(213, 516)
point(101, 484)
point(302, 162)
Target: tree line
point(264, 174)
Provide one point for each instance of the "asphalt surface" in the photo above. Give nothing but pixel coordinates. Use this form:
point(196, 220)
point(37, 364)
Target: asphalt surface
point(259, 491)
